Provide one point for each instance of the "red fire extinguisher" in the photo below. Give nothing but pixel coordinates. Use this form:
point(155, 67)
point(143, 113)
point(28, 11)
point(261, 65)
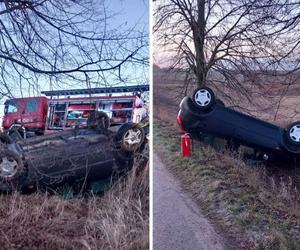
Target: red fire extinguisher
point(186, 145)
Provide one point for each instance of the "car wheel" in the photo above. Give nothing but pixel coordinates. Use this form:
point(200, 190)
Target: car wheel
point(130, 137)
point(203, 98)
point(12, 171)
point(293, 133)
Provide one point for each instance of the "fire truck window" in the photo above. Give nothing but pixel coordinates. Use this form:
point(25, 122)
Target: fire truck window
point(31, 106)
point(11, 108)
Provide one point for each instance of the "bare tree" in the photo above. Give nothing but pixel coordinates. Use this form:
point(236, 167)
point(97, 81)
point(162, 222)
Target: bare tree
point(67, 41)
point(229, 42)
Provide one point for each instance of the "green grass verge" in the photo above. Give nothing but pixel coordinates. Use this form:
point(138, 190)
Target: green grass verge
point(239, 199)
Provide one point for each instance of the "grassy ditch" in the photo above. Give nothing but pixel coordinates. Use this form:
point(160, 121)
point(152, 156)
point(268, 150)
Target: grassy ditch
point(248, 206)
point(117, 220)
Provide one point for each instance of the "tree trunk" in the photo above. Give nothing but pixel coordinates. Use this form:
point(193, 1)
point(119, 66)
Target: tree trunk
point(198, 28)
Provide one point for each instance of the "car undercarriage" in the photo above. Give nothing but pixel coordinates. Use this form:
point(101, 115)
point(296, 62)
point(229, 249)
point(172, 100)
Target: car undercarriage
point(204, 114)
point(73, 156)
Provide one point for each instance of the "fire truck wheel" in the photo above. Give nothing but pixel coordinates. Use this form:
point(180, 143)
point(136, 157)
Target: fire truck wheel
point(130, 137)
point(12, 170)
point(98, 120)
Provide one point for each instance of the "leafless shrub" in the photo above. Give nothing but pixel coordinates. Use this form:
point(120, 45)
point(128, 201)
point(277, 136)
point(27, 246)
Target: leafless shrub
point(66, 41)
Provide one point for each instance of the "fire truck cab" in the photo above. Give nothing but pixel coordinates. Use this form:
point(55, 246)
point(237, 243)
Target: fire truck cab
point(40, 115)
point(29, 113)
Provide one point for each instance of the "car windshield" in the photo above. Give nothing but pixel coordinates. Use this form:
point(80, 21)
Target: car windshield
point(11, 107)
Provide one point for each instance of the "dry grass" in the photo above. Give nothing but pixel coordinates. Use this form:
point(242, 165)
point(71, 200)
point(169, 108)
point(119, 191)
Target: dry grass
point(254, 210)
point(117, 220)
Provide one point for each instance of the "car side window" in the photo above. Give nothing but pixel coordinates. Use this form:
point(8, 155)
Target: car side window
point(31, 106)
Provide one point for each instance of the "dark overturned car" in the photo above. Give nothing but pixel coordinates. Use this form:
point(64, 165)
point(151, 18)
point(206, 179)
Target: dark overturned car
point(78, 156)
point(204, 114)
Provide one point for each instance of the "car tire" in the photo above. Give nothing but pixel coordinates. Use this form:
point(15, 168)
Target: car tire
point(293, 133)
point(13, 174)
point(203, 98)
point(130, 137)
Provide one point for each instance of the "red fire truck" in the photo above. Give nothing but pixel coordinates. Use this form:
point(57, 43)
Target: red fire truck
point(42, 115)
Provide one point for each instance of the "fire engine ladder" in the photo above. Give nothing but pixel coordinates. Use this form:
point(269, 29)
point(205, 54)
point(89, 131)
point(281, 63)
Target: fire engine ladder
point(90, 91)
point(63, 117)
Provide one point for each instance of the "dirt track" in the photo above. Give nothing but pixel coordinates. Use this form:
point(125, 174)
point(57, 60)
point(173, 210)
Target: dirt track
point(177, 221)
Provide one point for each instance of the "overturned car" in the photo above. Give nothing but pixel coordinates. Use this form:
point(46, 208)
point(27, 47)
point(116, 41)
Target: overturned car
point(74, 156)
point(203, 113)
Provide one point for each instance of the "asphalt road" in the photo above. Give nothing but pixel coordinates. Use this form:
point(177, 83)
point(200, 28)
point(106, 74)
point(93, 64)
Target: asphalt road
point(177, 221)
